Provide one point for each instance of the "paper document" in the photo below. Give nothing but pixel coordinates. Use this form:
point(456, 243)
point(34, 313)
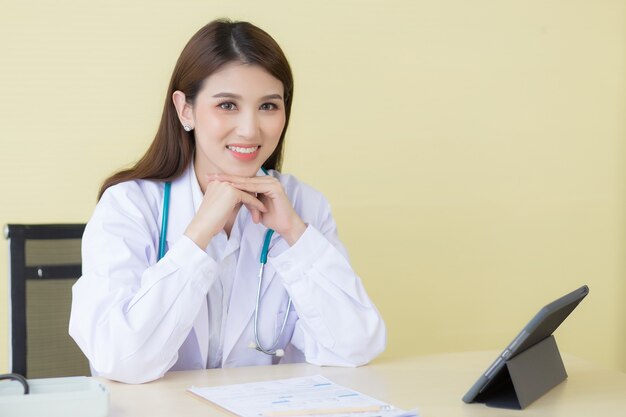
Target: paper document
point(306, 396)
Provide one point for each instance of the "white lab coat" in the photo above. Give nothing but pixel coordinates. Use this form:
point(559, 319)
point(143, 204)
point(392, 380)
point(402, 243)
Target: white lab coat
point(136, 318)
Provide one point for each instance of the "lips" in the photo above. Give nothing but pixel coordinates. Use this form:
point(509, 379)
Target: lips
point(243, 149)
point(244, 153)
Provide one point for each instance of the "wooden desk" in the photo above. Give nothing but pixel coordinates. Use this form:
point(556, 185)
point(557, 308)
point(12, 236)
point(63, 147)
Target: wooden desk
point(433, 384)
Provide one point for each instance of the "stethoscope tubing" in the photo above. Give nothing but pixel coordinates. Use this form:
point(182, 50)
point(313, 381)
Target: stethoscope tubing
point(272, 351)
point(166, 214)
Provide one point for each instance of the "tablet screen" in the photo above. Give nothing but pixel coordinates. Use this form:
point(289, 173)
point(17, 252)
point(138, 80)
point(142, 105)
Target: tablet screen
point(545, 322)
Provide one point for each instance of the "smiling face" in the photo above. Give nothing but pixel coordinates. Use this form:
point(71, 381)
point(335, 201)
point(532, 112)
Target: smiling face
point(237, 117)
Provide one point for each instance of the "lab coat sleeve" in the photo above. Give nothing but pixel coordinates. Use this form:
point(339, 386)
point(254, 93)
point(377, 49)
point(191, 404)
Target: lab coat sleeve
point(338, 325)
point(130, 314)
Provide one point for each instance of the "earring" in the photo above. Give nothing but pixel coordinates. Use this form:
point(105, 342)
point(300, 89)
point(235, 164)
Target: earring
point(187, 128)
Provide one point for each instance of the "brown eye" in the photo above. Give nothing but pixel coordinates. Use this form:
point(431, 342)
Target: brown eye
point(268, 106)
point(227, 106)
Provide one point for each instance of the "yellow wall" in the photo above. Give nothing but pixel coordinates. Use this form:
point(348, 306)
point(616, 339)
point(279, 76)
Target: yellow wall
point(473, 152)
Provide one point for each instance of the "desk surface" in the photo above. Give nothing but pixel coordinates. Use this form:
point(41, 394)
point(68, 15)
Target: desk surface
point(433, 384)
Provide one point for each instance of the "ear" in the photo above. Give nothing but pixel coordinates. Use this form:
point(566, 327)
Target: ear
point(183, 109)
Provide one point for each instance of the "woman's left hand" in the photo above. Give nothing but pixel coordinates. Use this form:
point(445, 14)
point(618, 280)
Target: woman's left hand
point(280, 214)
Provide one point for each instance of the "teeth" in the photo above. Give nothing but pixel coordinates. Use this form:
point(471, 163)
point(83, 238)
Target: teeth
point(243, 150)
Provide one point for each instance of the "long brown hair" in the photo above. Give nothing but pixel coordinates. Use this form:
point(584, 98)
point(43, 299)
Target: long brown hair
point(216, 44)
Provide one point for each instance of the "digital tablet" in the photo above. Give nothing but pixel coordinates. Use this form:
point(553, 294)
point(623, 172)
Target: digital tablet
point(541, 326)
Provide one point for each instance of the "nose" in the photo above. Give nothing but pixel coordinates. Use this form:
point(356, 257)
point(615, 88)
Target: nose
point(248, 125)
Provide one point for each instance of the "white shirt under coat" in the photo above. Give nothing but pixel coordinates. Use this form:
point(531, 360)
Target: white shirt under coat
point(136, 318)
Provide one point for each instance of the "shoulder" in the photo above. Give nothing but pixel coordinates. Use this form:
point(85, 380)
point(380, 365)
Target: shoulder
point(138, 201)
point(124, 226)
point(135, 192)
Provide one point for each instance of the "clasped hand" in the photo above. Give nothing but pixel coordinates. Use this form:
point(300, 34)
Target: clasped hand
point(264, 197)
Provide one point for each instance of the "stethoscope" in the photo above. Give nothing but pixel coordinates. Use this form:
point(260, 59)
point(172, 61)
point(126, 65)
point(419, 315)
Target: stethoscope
point(264, 251)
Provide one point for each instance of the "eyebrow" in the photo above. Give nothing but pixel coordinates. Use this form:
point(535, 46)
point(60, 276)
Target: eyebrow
point(237, 96)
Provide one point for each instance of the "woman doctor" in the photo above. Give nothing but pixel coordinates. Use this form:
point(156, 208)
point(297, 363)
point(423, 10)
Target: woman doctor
point(171, 255)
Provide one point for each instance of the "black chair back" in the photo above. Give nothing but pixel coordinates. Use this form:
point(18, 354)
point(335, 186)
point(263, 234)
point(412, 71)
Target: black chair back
point(44, 263)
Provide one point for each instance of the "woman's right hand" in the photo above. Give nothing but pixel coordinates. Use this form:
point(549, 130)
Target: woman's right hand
point(218, 206)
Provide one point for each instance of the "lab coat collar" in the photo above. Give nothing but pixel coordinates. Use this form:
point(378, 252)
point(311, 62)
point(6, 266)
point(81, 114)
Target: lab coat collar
point(181, 207)
point(182, 211)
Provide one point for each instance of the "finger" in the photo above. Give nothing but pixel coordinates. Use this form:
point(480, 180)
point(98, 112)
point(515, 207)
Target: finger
point(257, 187)
point(242, 180)
point(256, 214)
point(209, 178)
point(250, 201)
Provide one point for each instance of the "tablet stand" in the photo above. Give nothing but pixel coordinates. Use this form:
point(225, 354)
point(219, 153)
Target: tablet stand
point(526, 377)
